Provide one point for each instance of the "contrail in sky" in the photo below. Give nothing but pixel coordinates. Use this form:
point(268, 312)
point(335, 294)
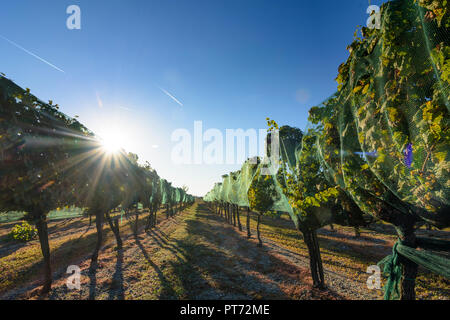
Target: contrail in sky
point(32, 54)
point(171, 96)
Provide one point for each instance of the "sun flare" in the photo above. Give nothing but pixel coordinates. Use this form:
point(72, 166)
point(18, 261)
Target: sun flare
point(110, 146)
point(112, 142)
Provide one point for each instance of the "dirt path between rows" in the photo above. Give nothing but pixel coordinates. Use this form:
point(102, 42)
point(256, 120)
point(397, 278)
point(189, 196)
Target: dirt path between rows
point(338, 285)
point(195, 255)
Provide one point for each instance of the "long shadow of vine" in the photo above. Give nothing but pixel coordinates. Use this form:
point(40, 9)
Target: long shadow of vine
point(167, 291)
point(269, 270)
point(92, 273)
point(203, 261)
point(165, 244)
point(117, 289)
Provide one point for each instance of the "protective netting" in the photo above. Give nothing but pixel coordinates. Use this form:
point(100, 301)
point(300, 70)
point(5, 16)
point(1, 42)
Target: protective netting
point(166, 193)
point(384, 136)
point(378, 147)
point(65, 213)
point(226, 188)
point(49, 161)
point(433, 262)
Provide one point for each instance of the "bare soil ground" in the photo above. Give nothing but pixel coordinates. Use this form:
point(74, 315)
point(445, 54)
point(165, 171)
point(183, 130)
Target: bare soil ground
point(197, 255)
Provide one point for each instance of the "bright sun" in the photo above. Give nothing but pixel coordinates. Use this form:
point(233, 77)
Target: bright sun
point(112, 142)
point(110, 146)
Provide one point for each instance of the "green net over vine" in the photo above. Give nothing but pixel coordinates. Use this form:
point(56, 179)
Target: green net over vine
point(378, 147)
point(429, 260)
point(384, 136)
point(50, 162)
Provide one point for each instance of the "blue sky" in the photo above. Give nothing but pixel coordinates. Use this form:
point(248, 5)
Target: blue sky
point(230, 63)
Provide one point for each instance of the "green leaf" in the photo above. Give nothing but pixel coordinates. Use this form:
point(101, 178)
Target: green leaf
point(440, 156)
